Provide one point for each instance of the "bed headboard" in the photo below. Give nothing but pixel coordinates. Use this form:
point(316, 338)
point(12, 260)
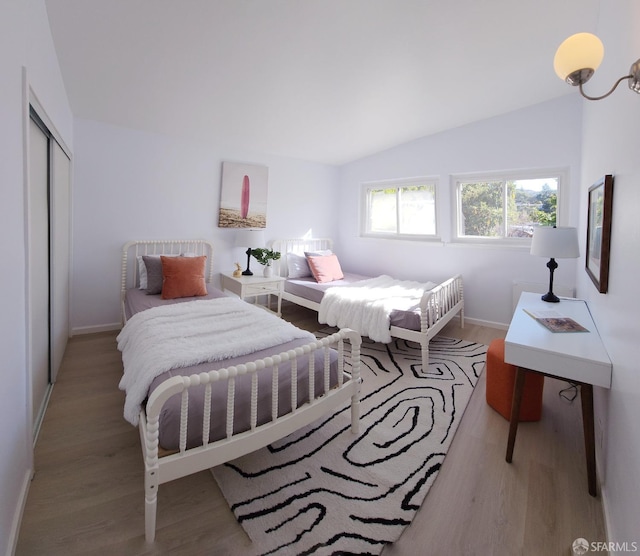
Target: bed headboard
point(132, 249)
point(297, 246)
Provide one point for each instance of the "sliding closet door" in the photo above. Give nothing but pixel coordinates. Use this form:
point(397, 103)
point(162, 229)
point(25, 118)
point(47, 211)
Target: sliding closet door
point(60, 254)
point(49, 258)
point(39, 345)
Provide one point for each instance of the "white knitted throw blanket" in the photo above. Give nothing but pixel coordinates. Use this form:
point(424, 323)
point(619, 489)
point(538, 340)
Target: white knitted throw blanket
point(173, 336)
point(366, 305)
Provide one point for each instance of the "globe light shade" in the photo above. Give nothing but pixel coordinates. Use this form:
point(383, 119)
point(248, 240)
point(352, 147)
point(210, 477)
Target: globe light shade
point(578, 57)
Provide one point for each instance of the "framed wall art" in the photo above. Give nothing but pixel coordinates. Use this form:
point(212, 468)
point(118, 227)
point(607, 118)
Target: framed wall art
point(599, 232)
point(243, 196)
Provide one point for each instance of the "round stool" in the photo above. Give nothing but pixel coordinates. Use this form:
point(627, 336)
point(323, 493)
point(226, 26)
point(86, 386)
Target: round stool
point(501, 377)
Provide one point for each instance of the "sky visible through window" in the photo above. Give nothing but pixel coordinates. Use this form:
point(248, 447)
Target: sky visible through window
point(536, 184)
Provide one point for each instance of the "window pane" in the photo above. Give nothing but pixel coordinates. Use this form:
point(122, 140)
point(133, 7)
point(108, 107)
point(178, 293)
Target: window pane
point(482, 209)
point(382, 210)
point(417, 210)
point(536, 202)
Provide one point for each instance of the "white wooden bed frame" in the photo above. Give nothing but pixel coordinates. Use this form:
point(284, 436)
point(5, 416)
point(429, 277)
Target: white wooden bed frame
point(161, 469)
point(437, 306)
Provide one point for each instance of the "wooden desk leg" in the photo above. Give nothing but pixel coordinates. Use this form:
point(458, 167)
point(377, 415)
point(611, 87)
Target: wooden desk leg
point(518, 388)
point(586, 396)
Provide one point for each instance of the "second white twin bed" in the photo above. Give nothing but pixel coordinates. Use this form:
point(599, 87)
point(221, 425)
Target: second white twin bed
point(379, 307)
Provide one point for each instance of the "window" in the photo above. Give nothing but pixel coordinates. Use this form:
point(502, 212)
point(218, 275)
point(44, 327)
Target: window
point(505, 206)
point(404, 209)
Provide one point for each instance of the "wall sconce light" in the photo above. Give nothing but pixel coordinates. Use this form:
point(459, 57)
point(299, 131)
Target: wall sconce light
point(579, 56)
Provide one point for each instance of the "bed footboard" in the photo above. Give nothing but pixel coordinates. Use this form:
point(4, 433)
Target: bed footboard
point(437, 307)
point(186, 461)
point(446, 299)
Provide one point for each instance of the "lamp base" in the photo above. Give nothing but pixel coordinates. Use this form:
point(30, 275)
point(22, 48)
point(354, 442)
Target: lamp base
point(550, 297)
point(248, 272)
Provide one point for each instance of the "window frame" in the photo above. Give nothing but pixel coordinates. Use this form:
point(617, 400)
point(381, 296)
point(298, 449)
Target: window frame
point(397, 184)
point(562, 175)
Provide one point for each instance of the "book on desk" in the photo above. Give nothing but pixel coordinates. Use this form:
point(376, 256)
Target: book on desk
point(555, 321)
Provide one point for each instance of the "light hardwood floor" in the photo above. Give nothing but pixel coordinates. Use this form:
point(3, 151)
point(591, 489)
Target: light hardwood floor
point(87, 493)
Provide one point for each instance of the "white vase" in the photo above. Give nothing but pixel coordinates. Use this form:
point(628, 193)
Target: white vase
point(268, 271)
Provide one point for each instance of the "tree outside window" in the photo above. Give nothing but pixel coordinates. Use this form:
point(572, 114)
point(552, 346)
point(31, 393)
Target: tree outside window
point(506, 208)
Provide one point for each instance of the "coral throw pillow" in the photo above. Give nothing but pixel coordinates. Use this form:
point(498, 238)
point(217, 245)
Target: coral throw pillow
point(325, 269)
point(183, 277)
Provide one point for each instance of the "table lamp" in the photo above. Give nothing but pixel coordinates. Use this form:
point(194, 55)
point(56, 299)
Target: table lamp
point(555, 243)
point(249, 239)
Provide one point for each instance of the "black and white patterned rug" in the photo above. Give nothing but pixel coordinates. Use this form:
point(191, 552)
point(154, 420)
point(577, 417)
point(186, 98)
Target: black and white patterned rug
point(324, 490)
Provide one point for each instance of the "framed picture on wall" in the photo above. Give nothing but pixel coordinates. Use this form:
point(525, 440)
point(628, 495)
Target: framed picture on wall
point(243, 196)
point(599, 232)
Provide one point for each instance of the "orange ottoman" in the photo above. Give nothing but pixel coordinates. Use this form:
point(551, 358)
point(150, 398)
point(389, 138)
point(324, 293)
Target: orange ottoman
point(501, 377)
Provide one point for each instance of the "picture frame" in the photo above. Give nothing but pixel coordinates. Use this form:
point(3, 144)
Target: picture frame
point(243, 196)
point(599, 216)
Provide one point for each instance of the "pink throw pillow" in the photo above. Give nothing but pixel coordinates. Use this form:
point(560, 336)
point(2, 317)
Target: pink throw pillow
point(325, 269)
point(183, 277)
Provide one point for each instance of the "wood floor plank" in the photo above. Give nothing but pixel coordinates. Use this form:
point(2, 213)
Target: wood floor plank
point(87, 495)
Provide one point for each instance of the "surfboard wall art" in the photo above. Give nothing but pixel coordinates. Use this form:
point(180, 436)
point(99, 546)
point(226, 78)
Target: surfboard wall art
point(243, 196)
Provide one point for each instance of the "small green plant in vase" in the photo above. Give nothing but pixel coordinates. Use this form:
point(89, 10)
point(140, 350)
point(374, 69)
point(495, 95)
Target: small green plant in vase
point(265, 257)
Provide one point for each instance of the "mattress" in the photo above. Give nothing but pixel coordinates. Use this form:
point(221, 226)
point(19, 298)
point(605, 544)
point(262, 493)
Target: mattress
point(309, 289)
point(136, 300)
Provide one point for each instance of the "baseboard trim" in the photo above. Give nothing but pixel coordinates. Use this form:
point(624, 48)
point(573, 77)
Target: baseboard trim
point(79, 330)
point(17, 516)
point(487, 323)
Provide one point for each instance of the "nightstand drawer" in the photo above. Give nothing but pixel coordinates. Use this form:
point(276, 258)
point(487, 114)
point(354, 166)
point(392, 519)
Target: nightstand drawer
point(258, 289)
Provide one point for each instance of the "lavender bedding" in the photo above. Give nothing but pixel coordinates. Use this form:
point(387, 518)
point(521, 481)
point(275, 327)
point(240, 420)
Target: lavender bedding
point(311, 290)
point(137, 300)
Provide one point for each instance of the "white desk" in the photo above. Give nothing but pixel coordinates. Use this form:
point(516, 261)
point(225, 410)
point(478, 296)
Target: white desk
point(578, 357)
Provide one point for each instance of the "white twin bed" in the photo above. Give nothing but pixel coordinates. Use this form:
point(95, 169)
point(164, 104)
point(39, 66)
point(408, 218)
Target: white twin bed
point(383, 307)
point(200, 393)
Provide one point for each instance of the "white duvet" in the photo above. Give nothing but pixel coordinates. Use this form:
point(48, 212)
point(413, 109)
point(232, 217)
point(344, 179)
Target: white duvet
point(366, 306)
point(189, 333)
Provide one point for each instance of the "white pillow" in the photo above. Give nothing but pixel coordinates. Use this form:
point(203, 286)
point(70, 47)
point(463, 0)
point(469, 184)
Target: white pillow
point(297, 266)
point(319, 253)
point(142, 272)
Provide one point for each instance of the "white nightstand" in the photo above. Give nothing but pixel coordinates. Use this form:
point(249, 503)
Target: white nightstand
point(254, 286)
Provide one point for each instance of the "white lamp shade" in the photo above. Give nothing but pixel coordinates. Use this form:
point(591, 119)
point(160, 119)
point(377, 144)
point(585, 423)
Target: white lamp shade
point(249, 238)
point(555, 243)
point(579, 51)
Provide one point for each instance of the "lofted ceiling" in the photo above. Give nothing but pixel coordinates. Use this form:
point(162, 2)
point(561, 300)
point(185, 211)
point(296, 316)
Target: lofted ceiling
point(320, 80)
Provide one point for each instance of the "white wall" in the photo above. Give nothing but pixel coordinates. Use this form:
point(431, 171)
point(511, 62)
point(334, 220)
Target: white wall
point(611, 145)
point(25, 41)
point(542, 136)
point(137, 185)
